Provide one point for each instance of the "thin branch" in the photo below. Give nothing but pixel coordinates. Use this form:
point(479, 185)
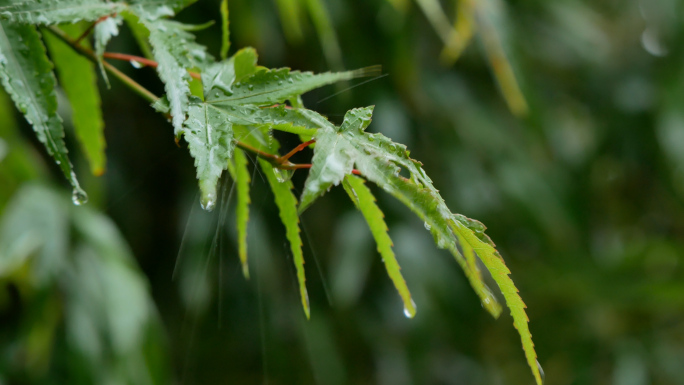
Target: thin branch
point(135, 86)
point(297, 149)
point(281, 162)
point(142, 60)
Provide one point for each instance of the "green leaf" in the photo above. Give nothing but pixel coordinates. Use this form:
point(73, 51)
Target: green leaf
point(290, 17)
point(287, 206)
point(176, 52)
point(225, 31)
point(242, 179)
point(380, 161)
point(26, 74)
point(48, 12)
point(326, 33)
point(78, 80)
point(140, 32)
point(365, 201)
point(210, 141)
point(237, 92)
point(497, 268)
point(104, 31)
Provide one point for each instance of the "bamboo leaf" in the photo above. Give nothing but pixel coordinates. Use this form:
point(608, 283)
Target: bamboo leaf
point(365, 201)
point(26, 74)
point(290, 17)
point(326, 33)
point(48, 12)
point(225, 31)
point(242, 179)
point(287, 206)
point(78, 79)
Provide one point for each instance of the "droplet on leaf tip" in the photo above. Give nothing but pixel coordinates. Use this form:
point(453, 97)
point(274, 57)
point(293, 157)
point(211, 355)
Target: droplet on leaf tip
point(541, 372)
point(208, 202)
point(410, 312)
point(79, 197)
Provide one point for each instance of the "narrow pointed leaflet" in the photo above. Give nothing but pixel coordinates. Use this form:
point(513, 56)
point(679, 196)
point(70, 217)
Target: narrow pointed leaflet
point(242, 179)
point(365, 202)
point(26, 74)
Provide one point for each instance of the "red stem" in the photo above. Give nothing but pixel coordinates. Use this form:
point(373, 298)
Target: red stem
point(296, 150)
point(141, 60)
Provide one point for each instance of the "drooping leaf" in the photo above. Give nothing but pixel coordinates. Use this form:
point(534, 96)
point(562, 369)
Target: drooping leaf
point(176, 52)
point(462, 32)
point(380, 160)
point(238, 92)
point(26, 74)
point(78, 80)
point(497, 268)
point(225, 31)
point(140, 32)
point(287, 206)
point(105, 30)
point(48, 12)
point(365, 201)
point(242, 179)
point(338, 150)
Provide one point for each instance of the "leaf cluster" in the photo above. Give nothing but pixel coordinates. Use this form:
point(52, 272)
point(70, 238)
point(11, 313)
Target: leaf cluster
point(224, 109)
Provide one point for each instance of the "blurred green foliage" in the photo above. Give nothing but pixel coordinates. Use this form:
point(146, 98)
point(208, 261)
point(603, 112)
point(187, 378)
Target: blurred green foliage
point(584, 196)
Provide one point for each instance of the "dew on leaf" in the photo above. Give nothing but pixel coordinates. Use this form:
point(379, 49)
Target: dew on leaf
point(410, 312)
point(79, 197)
point(541, 372)
point(427, 226)
point(283, 175)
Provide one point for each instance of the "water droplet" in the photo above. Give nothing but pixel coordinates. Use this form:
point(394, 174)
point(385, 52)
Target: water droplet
point(427, 226)
point(136, 64)
point(541, 372)
point(22, 107)
point(250, 87)
point(410, 312)
point(238, 85)
point(280, 82)
point(283, 175)
point(290, 80)
point(208, 201)
point(79, 197)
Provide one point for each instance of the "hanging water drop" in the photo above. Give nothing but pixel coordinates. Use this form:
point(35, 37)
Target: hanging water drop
point(208, 201)
point(541, 372)
point(427, 226)
point(79, 197)
point(136, 64)
point(410, 312)
point(283, 175)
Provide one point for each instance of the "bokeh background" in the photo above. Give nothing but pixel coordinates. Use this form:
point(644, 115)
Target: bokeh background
point(579, 178)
